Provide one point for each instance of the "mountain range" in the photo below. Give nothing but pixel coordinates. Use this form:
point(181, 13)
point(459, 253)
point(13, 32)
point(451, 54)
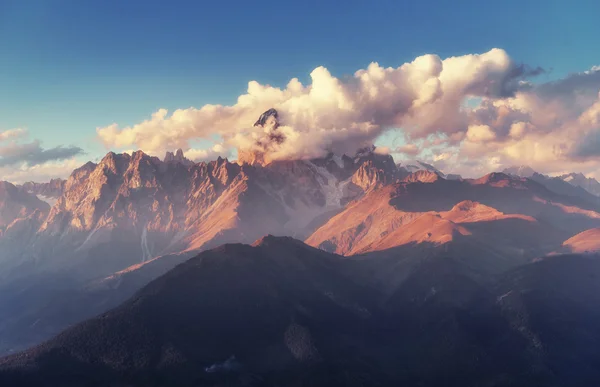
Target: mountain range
point(575, 184)
point(280, 313)
point(173, 259)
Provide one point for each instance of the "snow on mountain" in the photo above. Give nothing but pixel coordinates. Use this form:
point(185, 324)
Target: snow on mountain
point(416, 165)
point(50, 190)
point(580, 180)
point(413, 166)
point(590, 185)
point(16, 203)
point(522, 171)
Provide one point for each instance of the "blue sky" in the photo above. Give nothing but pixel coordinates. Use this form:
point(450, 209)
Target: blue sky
point(67, 66)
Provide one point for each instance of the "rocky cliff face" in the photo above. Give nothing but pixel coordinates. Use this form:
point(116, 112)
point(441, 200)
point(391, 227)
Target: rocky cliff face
point(580, 180)
point(177, 157)
point(16, 203)
point(572, 184)
point(52, 189)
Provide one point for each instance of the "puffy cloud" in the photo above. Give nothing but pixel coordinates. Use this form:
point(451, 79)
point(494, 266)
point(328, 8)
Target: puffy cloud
point(470, 113)
point(423, 97)
point(198, 155)
point(383, 150)
point(518, 129)
point(480, 133)
point(553, 127)
point(589, 146)
point(443, 156)
point(408, 149)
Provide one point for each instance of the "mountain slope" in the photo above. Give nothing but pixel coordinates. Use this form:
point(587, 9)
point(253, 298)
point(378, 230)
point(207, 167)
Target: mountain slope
point(572, 184)
point(585, 242)
point(499, 211)
point(275, 306)
point(16, 203)
point(120, 217)
point(280, 313)
point(580, 180)
point(554, 303)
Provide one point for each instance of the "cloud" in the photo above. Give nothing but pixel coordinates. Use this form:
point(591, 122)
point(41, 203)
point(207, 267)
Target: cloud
point(408, 149)
point(28, 161)
point(198, 155)
point(471, 113)
point(341, 115)
point(480, 133)
point(589, 146)
point(553, 127)
point(13, 134)
point(15, 152)
point(39, 173)
point(33, 154)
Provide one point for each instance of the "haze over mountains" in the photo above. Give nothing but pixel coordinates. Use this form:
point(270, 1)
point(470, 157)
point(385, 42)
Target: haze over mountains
point(589, 184)
point(388, 240)
point(282, 313)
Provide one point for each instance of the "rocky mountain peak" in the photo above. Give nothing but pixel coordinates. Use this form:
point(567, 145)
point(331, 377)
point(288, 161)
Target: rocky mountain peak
point(177, 157)
point(580, 180)
point(270, 118)
point(417, 165)
point(16, 202)
point(522, 171)
point(258, 154)
point(423, 176)
point(501, 179)
point(115, 163)
point(52, 189)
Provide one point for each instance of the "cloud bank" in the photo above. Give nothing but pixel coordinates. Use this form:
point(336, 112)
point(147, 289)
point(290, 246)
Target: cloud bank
point(549, 125)
point(21, 160)
point(337, 114)
point(33, 154)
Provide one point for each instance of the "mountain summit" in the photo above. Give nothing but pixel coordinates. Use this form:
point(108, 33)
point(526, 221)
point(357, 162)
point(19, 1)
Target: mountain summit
point(259, 152)
point(270, 118)
point(177, 157)
point(522, 171)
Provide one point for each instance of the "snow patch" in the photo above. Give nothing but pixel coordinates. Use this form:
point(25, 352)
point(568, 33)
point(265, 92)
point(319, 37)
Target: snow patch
point(502, 297)
point(146, 254)
point(333, 190)
point(229, 365)
point(338, 160)
point(87, 240)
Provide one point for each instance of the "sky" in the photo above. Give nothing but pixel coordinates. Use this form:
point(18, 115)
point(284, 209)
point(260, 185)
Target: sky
point(80, 78)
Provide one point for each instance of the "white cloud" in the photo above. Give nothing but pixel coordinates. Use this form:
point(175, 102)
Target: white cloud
point(408, 149)
point(443, 156)
point(480, 133)
point(39, 173)
point(331, 114)
point(471, 113)
point(383, 150)
point(198, 155)
point(518, 129)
